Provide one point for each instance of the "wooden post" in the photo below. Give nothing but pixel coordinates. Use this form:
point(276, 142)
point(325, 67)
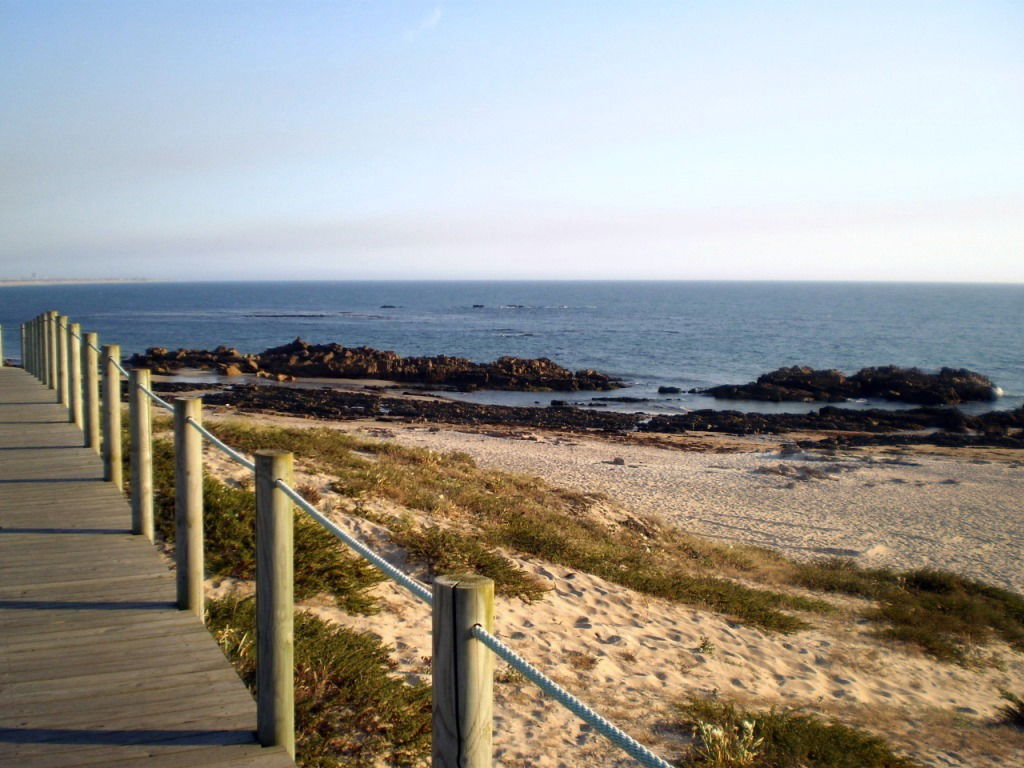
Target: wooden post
point(275, 673)
point(40, 354)
point(35, 347)
point(75, 361)
point(2, 346)
point(27, 347)
point(43, 364)
point(112, 469)
point(463, 672)
point(63, 370)
point(40, 349)
point(51, 349)
point(140, 413)
point(51, 344)
point(91, 390)
point(188, 504)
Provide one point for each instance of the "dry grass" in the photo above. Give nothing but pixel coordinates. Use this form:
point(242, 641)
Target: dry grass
point(473, 513)
point(483, 509)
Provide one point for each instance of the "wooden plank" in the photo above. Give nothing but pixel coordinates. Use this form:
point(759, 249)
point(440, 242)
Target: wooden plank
point(142, 697)
point(165, 756)
point(108, 684)
point(97, 666)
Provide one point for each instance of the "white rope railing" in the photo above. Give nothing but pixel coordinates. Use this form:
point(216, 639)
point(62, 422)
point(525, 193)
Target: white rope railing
point(157, 399)
point(217, 443)
point(616, 735)
point(613, 733)
point(394, 573)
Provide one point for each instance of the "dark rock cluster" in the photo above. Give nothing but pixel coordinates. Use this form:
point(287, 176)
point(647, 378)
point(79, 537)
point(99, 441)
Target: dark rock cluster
point(907, 385)
point(301, 359)
point(940, 426)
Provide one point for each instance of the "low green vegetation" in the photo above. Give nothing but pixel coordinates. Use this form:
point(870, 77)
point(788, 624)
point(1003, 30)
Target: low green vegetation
point(351, 709)
point(941, 613)
point(475, 513)
point(730, 738)
point(322, 565)
point(523, 514)
point(448, 552)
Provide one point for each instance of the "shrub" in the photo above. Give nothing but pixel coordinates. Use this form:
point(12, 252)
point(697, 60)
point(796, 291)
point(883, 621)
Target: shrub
point(350, 707)
point(730, 738)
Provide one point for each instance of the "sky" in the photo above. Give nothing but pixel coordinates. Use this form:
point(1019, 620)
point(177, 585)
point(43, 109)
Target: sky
point(530, 140)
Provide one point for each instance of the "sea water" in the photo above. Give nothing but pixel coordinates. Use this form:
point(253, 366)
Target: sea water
point(650, 334)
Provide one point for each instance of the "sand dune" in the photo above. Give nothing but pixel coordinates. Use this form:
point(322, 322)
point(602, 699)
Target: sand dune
point(634, 657)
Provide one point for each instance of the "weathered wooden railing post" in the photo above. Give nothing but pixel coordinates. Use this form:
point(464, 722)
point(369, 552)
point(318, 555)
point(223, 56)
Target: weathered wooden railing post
point(27, 347)
point(140, 415)
point(51, 349)
point(2, 347)
point(275, 686)
point(40, 355)
point(63, 370)
point(43, 365)
point(188, 504)
point(34, 345)
point(463, 672)
point(75, 361)
point(91, 390)
point(112, 469)
point(37, 349)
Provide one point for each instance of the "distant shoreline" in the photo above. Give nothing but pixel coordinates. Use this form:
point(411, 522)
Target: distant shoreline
point(75, 281)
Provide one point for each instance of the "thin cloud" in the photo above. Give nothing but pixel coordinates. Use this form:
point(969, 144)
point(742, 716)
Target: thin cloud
point(427, 24)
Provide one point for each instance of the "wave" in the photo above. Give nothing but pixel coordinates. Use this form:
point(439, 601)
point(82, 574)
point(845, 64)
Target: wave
point(295, 314)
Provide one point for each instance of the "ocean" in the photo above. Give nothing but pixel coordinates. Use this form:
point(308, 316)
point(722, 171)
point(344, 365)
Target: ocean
point(651, 334)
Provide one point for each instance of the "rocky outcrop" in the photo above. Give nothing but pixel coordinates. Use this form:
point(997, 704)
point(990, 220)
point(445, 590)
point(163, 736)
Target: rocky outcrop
point(910, 385)
point(907, 385)
point(940, 426)
point(301, 359)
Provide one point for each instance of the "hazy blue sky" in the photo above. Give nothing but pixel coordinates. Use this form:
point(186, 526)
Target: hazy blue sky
point(772, 140)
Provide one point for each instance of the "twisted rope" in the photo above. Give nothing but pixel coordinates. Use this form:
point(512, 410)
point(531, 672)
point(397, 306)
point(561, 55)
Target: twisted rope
point(157, 399)
point(225, 448)
point(396, 575)
point(614, 734)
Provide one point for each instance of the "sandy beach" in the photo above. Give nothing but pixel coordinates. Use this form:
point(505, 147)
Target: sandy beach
point(635, 657)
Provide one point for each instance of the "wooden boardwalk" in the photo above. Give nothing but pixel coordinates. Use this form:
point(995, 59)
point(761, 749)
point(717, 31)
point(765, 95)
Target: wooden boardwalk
point(97, 666)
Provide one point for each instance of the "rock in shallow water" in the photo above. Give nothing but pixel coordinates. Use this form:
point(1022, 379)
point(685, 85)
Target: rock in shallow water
point(907, 385)
point(301, 359)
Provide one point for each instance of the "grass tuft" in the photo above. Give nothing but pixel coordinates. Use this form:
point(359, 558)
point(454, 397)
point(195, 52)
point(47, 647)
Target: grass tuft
point(322, 565)
point(779, 739)
point(1013, 712)
point(939, 612)
point(449, 552)
point(350, 707)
